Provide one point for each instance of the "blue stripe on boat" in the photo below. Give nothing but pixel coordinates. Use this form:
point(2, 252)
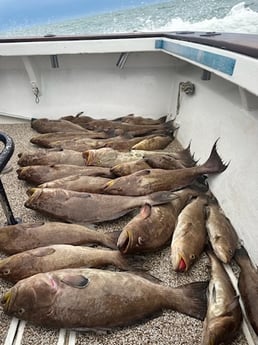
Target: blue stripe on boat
point(218, 62)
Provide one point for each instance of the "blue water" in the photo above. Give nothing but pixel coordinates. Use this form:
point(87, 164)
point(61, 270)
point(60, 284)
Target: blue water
point(203, 15)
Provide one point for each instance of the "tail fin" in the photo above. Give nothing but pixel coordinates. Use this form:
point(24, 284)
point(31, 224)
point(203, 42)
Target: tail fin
point(193, 300)
point(162, 197)
point(185, 156)
point(214, 163)
point(241, 256)
point(111, 238)
point(163, 119)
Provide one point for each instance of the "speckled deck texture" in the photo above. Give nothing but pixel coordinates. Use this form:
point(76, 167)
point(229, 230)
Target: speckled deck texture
point(168, 328)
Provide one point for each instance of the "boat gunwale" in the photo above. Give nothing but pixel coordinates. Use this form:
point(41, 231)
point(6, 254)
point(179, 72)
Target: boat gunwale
point(243, 43)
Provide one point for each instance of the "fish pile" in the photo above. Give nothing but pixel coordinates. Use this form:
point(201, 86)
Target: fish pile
point(92, 171)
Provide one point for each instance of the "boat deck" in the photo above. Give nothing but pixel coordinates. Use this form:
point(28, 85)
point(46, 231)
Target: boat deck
point(168, 328)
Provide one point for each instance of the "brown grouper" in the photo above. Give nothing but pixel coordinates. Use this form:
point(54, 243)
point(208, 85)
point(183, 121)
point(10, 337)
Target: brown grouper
point(87, 298)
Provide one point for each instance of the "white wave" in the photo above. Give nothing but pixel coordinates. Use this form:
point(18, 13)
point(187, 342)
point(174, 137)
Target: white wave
point(239, 19)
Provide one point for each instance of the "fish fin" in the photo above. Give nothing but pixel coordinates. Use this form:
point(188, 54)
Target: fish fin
point(241, 254)
point(40, 252)
point(97, 331)
point(79, 114)
point(76, 281)
point(161, 197)
point(213, 293)
point(31, 225)
point(230, 307)
point(214, 163)
point(142, 172)
point(146, 275)
point(170, 125)
point(196, 299)
point(163, 118)
point(111, 239)
point(145, 211)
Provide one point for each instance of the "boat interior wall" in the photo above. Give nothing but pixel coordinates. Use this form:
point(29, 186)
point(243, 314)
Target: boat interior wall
point(81, 81)
point(217, 110)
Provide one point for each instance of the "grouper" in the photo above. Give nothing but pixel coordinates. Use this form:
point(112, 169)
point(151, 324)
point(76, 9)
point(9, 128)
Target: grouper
point(37, 174)
point(248, 286)
point(24, 236)
point(151, 180)
point(87, 298)
point(82, 207)
point(224, 316)
point(153, 227)
point(55, 257)
point(50, 157)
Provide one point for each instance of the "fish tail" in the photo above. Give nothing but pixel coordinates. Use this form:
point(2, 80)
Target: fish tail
point(190, 299)
point(161, 197)
point(214, 163)
point(129, 263)
point(111, 238)
point(241, 256)
point(163, 119)
point(170, 127)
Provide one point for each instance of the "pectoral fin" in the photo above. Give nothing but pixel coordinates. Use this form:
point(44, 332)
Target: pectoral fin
point(145, 211)
point(232, 306)
point(40, 252)
point(76, 281)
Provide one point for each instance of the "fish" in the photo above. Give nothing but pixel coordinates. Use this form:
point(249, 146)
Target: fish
point(248, 286)
point(45, 140)
point(107, 125)
point(47, 157)
point(164, 161)
point(38, 174)
point(171, 160)
point(152, 180)
point(130, 118)
point(25, 236)
point(59, 256)
point(157, 142)
point(91, 184)
point(78, 119)
point(224, 316)
point(79, 207)
point(44, 125)
point(153, 227)
point(221, 233)
point(189, 238)
point(174, 160)
point(82, 144)
point(139, 120)
point(128, 168)
point(88, 298)
point(108, 157)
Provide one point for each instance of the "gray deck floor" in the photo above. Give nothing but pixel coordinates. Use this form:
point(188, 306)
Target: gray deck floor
point(168, 328)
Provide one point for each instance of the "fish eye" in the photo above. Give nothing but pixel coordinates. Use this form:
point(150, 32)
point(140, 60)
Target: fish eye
point(6, 271)
point(21, 311)
point(192, 256)
point(140, 241)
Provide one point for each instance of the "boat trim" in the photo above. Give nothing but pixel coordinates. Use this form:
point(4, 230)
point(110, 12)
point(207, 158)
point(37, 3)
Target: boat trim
point(215, 61)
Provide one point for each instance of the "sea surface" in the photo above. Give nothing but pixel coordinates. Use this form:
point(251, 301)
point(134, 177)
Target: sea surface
point(203, 15)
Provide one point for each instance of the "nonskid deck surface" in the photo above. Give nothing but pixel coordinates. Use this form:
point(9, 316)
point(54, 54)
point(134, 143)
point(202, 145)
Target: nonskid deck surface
point(168, 328)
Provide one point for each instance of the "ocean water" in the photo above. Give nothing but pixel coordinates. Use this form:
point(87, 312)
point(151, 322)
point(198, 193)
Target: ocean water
point(202, 15)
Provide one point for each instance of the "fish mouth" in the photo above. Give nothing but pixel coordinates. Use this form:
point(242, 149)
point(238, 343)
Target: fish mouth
point(33, 194)
point(123, 243)
point(182, 265)
point(89, 157)
point(31, 191)
point(7, 300)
